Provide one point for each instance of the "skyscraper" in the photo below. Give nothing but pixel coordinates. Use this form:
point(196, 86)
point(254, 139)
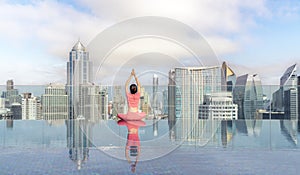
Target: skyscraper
point(11, 95)
point(228, 78)
point(285, 99)
point(171, 96)
point(291, 104)
point(79, 72)
point(155, 104)
point(192, 83)
point(248, 95)
point(55, 102)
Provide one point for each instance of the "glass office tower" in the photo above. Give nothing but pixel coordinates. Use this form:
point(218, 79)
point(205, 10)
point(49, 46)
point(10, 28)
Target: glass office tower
point(248, 95)
point(79, 72)
point(192, 83)
point(285, 99)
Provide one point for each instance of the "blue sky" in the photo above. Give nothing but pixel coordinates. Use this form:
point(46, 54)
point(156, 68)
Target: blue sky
point(251, 36)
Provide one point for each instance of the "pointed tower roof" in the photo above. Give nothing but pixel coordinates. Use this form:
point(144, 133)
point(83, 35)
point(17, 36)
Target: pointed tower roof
point(291, 71)
point(78, 46)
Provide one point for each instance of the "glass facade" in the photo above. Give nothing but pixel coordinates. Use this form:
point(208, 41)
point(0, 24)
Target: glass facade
point(79, 71)
point(286, 99)
point(192, 83)
point(248, 95)
point(55, 103)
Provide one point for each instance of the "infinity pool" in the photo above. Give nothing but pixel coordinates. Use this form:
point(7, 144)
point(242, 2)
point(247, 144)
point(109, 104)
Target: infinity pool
point(149, 147)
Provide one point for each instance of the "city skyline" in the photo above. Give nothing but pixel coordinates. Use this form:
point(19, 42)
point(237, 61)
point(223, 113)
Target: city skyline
point(252, 37)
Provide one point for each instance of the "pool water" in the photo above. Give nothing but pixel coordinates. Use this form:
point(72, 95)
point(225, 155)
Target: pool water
point(160, 147)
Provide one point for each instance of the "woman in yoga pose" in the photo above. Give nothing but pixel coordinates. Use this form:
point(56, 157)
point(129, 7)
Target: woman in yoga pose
point(133, 98)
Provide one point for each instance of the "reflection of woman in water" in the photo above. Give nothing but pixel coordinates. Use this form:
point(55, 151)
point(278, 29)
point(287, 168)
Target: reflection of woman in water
point(133, 98)
point(133, 145)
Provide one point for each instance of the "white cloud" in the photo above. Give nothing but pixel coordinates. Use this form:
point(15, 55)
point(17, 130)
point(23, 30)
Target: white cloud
point(284, 10)
point(217, 20)
point(53, 27)
point(54, 24)
point(39, 33)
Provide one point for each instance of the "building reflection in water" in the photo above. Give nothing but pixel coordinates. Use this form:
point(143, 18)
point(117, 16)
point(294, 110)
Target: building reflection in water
point(211, 132)
point(155, 127)
point(226, 132)
point(251, 127)
point(172, 128)
point(9, 123)
point(133, 144)
point(201, 133)
point(196, 131)
point(289, 130)
point(79, 133)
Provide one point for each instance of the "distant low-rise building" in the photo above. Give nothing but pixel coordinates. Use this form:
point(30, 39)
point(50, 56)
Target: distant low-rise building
point(218, 106)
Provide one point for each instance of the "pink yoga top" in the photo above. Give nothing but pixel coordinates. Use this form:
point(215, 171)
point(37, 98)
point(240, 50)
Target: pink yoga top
point(133, 99)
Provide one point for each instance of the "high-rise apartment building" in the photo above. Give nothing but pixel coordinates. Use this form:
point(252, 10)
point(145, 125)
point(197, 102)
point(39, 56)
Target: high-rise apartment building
point(79, 72)
point(31, 107)
point(248, 95)
point(55, 102)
